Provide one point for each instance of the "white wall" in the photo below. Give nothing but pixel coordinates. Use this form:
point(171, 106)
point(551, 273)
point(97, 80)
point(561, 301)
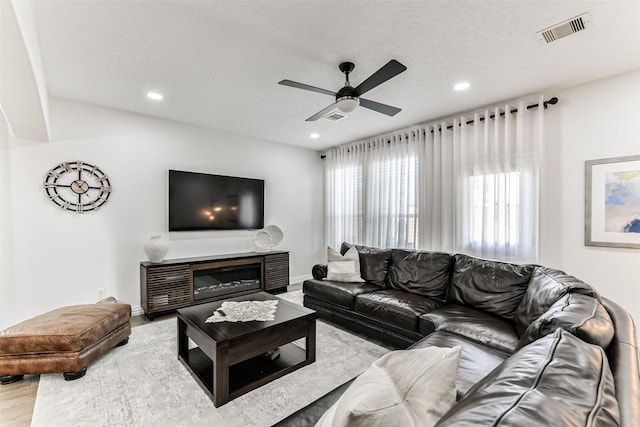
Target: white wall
point(63, 258)
point(7, 285)
point(592, 121)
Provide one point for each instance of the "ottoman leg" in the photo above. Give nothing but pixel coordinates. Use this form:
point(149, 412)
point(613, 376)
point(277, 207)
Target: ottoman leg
point(9, 379)
point(123, 342)
point(70, 376)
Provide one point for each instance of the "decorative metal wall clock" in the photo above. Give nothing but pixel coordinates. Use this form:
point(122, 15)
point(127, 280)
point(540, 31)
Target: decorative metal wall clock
point(77, 186)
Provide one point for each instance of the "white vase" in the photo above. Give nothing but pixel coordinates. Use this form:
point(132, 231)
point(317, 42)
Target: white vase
point(156, 248)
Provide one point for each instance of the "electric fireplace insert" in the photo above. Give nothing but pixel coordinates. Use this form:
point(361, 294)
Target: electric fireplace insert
point(220, 281)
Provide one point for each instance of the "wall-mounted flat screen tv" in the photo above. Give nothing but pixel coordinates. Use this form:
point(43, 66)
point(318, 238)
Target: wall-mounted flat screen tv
point(200, 201)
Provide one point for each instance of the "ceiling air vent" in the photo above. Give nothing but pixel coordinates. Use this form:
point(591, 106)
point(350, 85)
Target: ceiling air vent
point(566, 28)
point(334, 116)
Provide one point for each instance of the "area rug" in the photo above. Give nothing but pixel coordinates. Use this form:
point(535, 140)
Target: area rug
point(144, 384)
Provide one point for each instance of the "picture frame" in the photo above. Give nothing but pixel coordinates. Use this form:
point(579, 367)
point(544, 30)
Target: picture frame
point(612, 202)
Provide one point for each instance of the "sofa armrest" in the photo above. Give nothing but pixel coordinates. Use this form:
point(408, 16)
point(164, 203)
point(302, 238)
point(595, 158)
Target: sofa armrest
point(624, 360)
point(319, 271)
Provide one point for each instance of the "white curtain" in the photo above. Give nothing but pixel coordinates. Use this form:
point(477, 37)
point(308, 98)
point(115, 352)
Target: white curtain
point(499, 170)
point(479, 176)
point(344, 187)
point(468, 184)
point(372, 193)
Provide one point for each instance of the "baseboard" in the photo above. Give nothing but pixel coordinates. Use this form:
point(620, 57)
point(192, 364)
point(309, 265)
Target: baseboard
point(299, 279)
point(136, 310)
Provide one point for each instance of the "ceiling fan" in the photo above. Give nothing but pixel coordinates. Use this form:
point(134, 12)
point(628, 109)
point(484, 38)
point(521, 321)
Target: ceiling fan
point(348, 98)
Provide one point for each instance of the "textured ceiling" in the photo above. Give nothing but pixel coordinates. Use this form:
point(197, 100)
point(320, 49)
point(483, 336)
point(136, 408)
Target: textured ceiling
point(218, 62)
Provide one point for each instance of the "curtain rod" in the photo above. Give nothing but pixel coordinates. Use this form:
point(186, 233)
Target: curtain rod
point(551, 101)
point(545, 104)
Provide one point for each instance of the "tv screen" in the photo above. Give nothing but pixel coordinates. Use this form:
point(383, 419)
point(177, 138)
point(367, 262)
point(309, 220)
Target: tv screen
point(200, 201)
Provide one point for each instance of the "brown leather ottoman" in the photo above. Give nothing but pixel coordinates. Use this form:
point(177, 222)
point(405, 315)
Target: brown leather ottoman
point(64, 340)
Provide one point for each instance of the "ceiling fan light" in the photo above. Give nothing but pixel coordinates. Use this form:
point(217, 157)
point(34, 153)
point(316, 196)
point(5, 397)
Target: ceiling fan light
point(347, 104)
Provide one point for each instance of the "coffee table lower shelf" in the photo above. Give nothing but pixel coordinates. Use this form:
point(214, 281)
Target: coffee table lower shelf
point(249, 374)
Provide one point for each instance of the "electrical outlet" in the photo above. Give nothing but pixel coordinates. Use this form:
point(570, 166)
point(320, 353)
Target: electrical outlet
point(100, 293)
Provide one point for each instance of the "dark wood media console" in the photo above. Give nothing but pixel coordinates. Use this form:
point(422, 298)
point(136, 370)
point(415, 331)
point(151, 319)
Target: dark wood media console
point(169, 285)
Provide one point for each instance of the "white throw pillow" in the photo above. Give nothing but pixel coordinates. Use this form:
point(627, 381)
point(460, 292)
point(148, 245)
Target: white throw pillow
point(343, 268)
point(403, 388)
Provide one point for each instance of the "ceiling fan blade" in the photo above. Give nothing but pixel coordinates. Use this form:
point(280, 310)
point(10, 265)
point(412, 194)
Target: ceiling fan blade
point(380, 108)
point(389, 70)
point(321, 113)
point(306, 87)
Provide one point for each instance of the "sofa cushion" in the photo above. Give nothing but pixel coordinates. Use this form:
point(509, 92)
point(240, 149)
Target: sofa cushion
point(338, 293)
point(476, 325)
point(581, 315)
point(343, 268)
point(374, 263)
point(418, 272)
point(492, 286)
point(540, 386)
point(399, 308)
point(547, 286)
point(311, 414)
point(476, 360)
point(402, 388)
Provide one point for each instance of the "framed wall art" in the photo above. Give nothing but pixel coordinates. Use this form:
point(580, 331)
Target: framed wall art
point(612, 208)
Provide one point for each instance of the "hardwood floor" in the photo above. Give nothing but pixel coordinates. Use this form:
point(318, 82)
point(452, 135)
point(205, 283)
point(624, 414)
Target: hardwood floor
point(18, 399)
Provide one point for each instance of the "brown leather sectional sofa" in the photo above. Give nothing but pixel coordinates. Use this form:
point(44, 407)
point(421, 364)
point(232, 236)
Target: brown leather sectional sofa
point(539, 347)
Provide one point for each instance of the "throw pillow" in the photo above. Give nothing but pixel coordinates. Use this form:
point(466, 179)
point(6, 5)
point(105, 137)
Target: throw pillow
point(343, 268)
point(374, 263)
point(403, 388)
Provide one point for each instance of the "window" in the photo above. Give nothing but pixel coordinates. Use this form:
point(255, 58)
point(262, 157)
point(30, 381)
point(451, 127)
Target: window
point(495, 211)
point(344, 208)
point(392, 211)
point(373, 202)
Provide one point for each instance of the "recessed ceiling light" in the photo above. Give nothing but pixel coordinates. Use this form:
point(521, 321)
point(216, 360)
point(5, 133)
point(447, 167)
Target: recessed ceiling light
point(314, 136)
point(462, 86)
point(156, 96)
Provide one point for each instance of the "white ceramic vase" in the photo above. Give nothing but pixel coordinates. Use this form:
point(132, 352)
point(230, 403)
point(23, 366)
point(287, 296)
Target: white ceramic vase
point(156, 248)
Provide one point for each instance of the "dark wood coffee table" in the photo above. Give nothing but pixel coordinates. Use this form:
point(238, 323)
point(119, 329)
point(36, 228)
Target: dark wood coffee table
point(228, 360)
